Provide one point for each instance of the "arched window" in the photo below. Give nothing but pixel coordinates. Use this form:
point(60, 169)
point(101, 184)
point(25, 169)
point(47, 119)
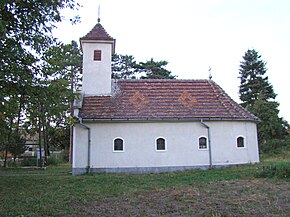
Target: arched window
point(202, 143)
point(240, 142)
point(160, 144)
point(118, 144)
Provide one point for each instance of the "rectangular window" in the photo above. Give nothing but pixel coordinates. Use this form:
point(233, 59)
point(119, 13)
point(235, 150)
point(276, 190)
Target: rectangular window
point(97, 55)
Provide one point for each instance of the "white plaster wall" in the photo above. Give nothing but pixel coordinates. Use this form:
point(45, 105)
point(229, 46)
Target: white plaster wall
point(97, 74)
point(224, 147)
point(80, 147)
point(181, 141)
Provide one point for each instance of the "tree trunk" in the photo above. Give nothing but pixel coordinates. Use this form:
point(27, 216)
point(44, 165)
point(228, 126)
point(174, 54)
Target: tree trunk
point(40, 136)
point(17, 128)
point(8, 143)
point(44, 134)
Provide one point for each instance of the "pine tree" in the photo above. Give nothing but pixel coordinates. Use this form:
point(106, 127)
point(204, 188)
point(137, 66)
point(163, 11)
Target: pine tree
point(258, 96)
point(124, 67)
point(254, 83)
point(155, 70)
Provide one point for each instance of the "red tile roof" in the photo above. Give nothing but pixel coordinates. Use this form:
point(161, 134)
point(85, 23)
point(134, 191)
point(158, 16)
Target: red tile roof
point(164, 99)
point(98, 33)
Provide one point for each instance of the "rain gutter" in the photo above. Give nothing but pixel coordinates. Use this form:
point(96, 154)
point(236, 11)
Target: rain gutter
point(209, 142)
point(89, 144)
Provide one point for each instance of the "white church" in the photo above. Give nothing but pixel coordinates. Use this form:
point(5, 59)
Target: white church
point(144, 126)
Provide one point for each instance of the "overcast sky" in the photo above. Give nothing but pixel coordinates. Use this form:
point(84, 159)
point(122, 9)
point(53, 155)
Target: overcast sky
point(195, 34)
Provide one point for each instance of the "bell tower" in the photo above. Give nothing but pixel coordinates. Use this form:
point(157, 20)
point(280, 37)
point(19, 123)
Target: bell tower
point(98, 47)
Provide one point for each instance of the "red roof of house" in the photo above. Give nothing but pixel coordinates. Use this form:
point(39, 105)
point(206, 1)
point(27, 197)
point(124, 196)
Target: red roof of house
point(97, 33)
point(163, 100)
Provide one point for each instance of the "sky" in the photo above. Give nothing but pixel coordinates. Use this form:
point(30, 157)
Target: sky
point(193, 35)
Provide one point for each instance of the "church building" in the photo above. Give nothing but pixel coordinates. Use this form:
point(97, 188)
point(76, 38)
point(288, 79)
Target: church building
point(154, 125)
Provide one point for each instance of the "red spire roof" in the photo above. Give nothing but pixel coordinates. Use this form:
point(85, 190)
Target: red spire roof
point(98, 33)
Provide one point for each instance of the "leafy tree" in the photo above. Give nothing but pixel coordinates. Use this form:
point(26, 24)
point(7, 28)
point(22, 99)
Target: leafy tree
point(258, 96)
point(25, 33)
point(254, 83)
point(271, 125)
point(64, 62)
point(124, 67)
point(155, 70)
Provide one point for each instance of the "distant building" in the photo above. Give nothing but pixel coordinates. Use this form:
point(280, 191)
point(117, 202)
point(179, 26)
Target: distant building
point(139, 126)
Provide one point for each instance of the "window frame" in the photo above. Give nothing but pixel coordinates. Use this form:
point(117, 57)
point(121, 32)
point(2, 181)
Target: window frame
point(118, 151)
point(198, 145)
point(244, 140)
point(165, 144)
point(97, 55)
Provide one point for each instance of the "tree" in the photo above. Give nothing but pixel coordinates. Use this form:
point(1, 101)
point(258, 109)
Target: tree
point(254, 83)
point(155, 70)
point(124, 67)
point(64, 61)
point(258, 96)
point(25, 34)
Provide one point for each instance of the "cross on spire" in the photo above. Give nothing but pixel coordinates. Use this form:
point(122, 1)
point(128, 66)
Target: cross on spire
point(209, 73)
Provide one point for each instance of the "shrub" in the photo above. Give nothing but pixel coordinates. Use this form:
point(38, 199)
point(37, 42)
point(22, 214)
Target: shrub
point(28, 162)
point(275, 146)
point(54, 161)
point(279, 170)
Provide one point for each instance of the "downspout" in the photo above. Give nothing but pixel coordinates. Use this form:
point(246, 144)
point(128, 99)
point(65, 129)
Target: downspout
point(89, 144)
point(209, 142)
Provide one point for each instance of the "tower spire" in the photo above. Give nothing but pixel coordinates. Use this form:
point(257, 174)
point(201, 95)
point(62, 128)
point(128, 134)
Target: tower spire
point(99, 14)
point(209, 73)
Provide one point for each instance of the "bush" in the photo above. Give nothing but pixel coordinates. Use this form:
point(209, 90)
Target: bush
point(279, 170)
point(28, 162)
point(54, 161)
point(275, 146)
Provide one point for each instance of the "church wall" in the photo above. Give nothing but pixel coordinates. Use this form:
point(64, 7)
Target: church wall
point(181, 139)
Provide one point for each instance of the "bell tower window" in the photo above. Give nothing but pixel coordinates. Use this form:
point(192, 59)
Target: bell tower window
point(97, 55)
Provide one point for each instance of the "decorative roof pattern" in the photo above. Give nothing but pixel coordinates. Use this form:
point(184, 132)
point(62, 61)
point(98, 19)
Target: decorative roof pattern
point(164, 99)
point(98, 33)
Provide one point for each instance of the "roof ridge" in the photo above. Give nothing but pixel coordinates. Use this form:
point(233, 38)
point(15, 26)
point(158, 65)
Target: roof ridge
point(234, 104)
point(218, 97)
point(160, 80)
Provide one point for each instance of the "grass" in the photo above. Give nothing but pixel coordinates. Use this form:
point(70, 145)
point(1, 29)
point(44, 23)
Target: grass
point(217, 192)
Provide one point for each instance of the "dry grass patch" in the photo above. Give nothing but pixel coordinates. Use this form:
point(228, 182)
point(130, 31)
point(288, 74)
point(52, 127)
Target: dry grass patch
point(255, 197)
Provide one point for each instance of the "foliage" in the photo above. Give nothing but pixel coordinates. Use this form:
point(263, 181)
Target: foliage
point(155, 70)
point(64, 61)
point(26, 84)
point(271, 126)
point(275, 146)
point(28, 162)
point(58, 137)
point(278, 170)
point(124, 67)
point(257, 95)
point(254, 83)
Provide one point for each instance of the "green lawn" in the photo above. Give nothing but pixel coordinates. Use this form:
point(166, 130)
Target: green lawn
point(217, 192)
